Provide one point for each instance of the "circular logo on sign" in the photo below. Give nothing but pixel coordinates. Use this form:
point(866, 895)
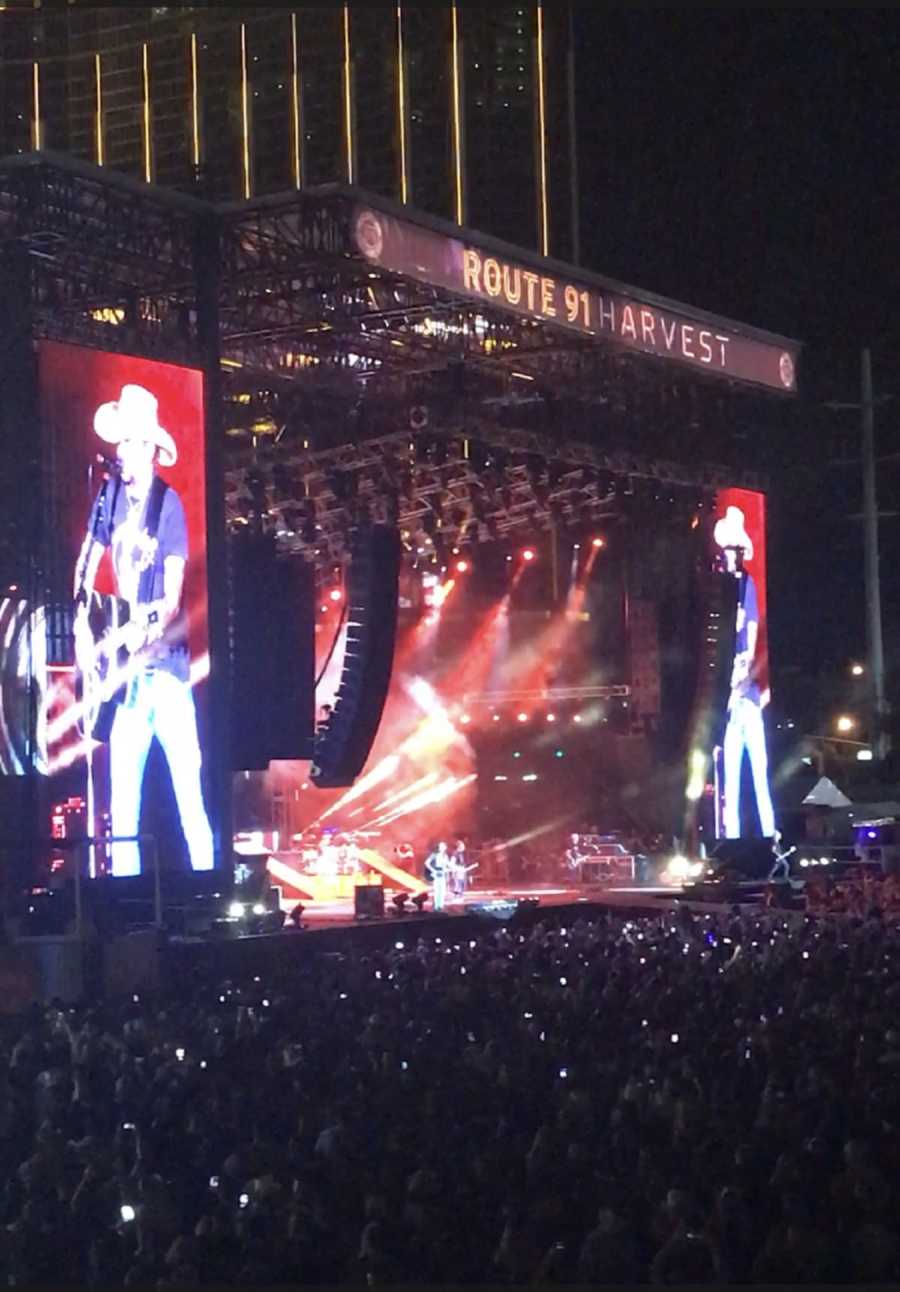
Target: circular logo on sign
point(369, 235)
point(786, 368)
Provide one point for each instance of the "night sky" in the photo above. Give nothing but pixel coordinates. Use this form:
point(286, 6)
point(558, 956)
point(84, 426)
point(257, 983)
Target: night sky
point(746, 161)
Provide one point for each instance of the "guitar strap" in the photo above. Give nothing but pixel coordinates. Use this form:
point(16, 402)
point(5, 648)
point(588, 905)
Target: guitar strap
point(158, 491)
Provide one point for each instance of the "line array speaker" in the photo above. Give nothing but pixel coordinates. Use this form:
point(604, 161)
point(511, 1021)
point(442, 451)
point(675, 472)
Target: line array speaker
point(345, 740)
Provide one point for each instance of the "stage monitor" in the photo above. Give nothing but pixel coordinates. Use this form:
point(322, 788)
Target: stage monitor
point(109, 664)
point(742, 794)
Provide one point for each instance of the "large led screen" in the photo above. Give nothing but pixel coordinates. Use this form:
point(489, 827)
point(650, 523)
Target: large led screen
point(120, 650)
point(743, 795)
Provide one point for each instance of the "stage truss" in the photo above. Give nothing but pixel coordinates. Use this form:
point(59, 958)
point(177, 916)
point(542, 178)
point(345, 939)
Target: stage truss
point(350, 392)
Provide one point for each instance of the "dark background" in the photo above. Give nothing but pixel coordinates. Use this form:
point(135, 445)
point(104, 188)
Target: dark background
point(746, 161)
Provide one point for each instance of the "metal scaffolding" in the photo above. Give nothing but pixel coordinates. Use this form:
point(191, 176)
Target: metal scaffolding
point(348, 389)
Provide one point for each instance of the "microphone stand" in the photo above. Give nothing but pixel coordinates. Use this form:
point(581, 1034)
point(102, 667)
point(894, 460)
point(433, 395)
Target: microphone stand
point(81, 597)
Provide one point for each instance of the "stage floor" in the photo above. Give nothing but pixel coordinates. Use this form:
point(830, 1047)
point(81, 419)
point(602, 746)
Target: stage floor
point(650, 898)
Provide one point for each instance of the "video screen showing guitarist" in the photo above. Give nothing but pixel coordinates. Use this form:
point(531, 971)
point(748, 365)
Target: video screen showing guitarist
point(745, 729)
point(136, 673)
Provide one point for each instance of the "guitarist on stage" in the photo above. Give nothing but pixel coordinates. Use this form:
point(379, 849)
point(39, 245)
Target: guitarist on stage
point(460, 871)
point(141, 520)
point(745, 730)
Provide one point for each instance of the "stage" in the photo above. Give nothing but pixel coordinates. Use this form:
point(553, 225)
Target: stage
point(425, 607)
point(649, 899)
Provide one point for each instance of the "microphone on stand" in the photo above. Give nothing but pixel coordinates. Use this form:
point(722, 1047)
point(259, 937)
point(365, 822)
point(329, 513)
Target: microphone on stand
point(110, 468)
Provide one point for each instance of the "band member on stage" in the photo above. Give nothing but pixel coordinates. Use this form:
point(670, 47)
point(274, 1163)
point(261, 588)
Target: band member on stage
point(142, 521)
point(459, 872)
point(745, 730)
point(573, 852)
point(438, 867)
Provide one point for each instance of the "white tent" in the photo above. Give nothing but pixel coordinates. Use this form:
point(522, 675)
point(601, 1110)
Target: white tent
point(826, 794)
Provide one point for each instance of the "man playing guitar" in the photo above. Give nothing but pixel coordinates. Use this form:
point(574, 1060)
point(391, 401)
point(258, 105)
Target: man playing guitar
point(141, 520)
point(438, 866)
point(745, 730)
point(459, 873)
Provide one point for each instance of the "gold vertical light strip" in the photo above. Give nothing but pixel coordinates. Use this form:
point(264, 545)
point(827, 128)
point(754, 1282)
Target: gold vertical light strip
point(36, 106)
point(148, 142)
point(245, 111)
point(542, 133)
point(457, 117)
point(195, 102)
point(401, 108)
point(98, 108)
point(348, 99)
point(296, 122)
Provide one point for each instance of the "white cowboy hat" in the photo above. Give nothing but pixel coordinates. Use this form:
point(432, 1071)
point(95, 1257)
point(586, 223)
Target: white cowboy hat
point(731, 531)
point(135, 416)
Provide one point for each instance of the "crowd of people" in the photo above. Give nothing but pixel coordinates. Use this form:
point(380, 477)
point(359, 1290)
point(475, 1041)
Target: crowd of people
point(855, 893)
point(674, 1100)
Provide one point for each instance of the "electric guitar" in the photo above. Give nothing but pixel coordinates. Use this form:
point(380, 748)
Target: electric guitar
point(105, 663)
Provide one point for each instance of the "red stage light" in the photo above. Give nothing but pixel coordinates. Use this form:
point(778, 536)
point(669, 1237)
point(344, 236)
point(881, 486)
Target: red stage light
point(551, 717)
point(523, 717)
point(496, 717)
point(462, 567)
point(336, 594)
point(599, 542)
point(324, 610)
point(529, 555)
point(465, 720)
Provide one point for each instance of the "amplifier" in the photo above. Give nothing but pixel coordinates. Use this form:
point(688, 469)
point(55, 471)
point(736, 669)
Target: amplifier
point(595, 872)
point(368, 901)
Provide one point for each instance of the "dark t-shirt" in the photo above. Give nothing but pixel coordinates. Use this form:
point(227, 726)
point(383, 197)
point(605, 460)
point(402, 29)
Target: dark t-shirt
point(123, 529)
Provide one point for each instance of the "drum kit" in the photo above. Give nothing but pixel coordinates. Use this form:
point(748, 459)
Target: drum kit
point(330, 853)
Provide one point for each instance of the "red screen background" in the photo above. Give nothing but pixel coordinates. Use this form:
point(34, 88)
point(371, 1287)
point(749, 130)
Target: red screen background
point(74, 382)
point(753, 504)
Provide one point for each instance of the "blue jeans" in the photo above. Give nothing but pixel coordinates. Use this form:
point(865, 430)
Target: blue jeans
point(156, 704)
point(746, 731)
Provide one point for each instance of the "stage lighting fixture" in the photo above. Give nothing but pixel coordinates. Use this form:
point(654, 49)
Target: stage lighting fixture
point(465, 720)
point(336, 594)
point(296, 915)
point(577, 718)
point(529, 555)
point(419, 902)
point(522, 717)
point(462, 567)
point(599, 542)
point(398, 901)
point(551, 717)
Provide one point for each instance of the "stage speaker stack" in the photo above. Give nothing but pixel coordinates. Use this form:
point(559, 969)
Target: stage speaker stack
point(343, 743)
point(368, 902)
